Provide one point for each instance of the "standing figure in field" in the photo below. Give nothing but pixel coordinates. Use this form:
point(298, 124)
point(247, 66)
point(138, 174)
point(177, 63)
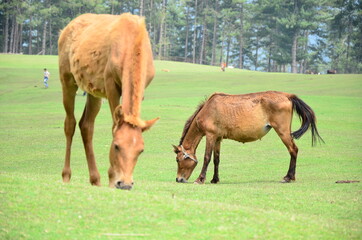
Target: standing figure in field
point(107, 56)
point(46, 77)
point(243, 118)
point(223, 66)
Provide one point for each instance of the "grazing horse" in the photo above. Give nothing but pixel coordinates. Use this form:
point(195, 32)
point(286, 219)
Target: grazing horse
point(332, 71)
point(107, 56)
point(243, 118)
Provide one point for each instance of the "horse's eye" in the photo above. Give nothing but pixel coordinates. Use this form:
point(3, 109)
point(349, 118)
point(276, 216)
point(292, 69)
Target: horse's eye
point(116, 147)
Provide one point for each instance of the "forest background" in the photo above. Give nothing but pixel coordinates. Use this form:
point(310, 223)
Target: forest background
point(298, 36)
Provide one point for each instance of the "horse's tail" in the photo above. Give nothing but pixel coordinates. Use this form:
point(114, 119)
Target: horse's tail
point(308, 119)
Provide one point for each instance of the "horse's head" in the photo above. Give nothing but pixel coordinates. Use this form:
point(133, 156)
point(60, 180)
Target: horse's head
point(126, 147)
point(186, 163)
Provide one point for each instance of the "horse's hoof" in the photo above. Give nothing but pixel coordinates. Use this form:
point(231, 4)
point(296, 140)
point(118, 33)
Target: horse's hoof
point(96, 183)
point(66, 180)
point(214, 181)
point(198, 182)
point(95, 180)
point(66, 176)
point(287, 180)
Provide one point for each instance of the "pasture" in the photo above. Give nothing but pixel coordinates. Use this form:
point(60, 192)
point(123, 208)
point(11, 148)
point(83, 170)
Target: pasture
point(248, 203)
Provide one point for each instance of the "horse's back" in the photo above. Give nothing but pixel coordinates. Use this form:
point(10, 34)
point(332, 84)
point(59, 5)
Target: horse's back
point(243, 117)
point(74, 32)
point(82, 42)
point(92, 29)
point(93, 46)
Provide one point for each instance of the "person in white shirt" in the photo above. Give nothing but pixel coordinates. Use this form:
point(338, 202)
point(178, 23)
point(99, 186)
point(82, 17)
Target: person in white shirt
point(46, 77)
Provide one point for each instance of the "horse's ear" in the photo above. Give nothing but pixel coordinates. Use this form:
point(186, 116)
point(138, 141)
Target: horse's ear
point(118, 115)
point(175, 149)
point(149, 124)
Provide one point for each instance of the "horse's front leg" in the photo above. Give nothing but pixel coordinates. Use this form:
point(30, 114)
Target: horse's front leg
point(215, 178)
point(86, 125)
point(69, 92)
point(113, 95)
point(210, 143)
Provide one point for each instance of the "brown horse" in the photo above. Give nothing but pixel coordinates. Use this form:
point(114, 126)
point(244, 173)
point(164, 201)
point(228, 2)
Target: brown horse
point(243, 118)
point(107, 56)
point(332, 71)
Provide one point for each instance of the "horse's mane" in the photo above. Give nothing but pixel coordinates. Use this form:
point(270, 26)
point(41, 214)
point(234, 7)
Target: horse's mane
point(134, 69)
point(190, 120)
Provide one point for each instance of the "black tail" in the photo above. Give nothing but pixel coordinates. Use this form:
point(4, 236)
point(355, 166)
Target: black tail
point(308, 118)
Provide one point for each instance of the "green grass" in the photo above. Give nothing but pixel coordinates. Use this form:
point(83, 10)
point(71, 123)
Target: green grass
point(249, 202)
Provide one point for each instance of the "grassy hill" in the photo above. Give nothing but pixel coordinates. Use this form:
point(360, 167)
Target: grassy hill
point(249, 202)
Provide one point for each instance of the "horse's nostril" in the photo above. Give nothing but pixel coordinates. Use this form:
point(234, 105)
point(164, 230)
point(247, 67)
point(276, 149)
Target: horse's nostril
point(181, 180)
point(121, 185)
point(126, 187)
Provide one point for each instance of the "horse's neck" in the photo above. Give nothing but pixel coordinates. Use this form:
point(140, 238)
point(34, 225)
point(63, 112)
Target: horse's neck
point(132, 95)
point(133, 82)
point(192, 139)
point(134, 76)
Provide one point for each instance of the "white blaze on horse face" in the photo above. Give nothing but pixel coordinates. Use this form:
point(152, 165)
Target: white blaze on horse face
point(128, 145)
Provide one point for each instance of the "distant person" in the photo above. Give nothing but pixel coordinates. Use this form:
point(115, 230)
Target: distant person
point(83, 94)
point(46, 77)
point(223, 66)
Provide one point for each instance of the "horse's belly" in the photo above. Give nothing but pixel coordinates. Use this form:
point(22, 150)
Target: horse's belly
point(88, 76)
point(248, 133)
point(96, 88)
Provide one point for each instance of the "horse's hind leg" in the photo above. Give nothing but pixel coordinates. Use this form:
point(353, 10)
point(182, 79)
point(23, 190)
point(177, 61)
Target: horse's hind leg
point(215, 178)
point(288, 141)
point(86, 125)
point(69, 92)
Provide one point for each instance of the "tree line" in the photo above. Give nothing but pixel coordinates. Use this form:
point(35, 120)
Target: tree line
point(298, 36)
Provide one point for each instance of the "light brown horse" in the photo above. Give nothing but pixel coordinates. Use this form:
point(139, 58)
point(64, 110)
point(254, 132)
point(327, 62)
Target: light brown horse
point(243, 118)
point(108, 56)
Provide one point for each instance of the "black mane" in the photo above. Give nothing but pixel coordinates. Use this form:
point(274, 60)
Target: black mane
point(190, 120)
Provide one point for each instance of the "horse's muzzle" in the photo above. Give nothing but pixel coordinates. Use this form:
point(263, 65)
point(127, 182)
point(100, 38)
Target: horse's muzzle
point(123, 186)
point(181, 180)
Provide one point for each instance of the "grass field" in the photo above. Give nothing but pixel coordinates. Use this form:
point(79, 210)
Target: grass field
point(249, 202)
